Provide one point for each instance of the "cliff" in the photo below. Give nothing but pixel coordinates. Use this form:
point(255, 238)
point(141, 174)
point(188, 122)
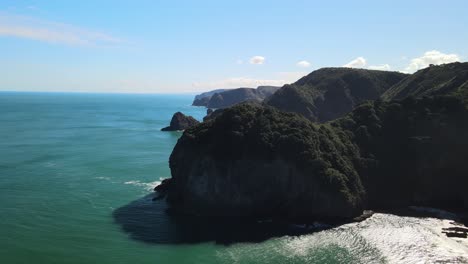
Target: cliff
point(203, 98)
point(256, 161)
point(228, 97)
point(330, 93)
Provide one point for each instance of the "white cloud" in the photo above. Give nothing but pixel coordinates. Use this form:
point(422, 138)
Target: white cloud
point(239, 61)
point(52, 32)
point(430, 57)
point(359, 62)
point(257, 60)
point(303, 64)
point(382, 67)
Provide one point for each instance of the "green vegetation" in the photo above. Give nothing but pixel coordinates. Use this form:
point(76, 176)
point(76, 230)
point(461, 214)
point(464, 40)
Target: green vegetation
point(411, 151)
point(330, 93)
point(320, 157)
point(257, 159)
point(443, 79)
point(382, 154)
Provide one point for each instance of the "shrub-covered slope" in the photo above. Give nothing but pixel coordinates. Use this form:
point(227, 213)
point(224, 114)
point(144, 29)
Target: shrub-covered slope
point(435, 80)
point(330, 93)
point(412, 151)
point(258, 161)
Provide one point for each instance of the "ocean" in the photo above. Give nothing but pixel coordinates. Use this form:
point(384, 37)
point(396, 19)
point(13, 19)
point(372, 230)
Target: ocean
point(76, 177)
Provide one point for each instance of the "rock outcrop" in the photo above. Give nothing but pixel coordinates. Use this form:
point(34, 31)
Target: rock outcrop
point(330, 93)
point(256, 161)
point(180, 121)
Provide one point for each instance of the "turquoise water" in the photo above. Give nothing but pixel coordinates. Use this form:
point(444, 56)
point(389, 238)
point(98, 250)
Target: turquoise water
point(76, 171)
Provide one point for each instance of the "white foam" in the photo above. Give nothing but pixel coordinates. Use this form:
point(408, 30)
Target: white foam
point(146, 185)
point(103, 178)
point(412, 240)
point(382, 238)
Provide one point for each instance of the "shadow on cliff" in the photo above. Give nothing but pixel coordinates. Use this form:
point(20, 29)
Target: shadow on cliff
point(147, 221)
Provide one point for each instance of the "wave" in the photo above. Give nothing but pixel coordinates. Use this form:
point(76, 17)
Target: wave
point(382, 238)
point(146, 185)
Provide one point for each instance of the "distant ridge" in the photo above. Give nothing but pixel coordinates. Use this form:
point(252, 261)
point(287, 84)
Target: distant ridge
point(223, 98)
point(444, 79)
point(330, 93)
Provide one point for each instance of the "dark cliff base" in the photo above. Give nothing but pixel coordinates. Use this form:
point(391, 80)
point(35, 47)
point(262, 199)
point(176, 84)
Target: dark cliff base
point(151, 221)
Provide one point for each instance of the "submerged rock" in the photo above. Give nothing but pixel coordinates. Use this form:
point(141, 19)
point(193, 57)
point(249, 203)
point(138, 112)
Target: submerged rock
point(180, 121)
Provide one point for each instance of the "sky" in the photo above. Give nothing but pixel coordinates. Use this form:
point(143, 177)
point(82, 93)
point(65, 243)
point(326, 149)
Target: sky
point(151, 46)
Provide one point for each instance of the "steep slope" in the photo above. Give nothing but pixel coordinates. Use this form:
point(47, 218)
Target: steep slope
point(412, 152)
point(232, 97)
point(256, 161)
point(203, 98)
point(229, 97)
point(329, 93)
point(180, 121)
point(442, 79)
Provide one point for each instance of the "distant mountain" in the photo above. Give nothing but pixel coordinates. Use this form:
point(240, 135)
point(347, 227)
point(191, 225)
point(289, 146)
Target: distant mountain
point(329, 93)
point(226, 98)
point(435, 80)
point(203, 98)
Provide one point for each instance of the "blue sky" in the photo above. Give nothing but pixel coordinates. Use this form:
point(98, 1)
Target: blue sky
point(190, 46)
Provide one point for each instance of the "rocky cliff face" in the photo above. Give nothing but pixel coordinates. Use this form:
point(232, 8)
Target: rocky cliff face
point(203, 98)
point(330, 93)
point(180, 121)
point(256, 161)
point(226, 98)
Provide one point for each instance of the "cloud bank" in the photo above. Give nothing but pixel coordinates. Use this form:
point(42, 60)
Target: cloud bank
point(430, 57)
point(359, 62)
point(303, 64)
point(52, 32)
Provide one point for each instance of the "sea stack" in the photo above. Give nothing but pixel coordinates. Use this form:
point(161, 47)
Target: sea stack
point(180, 121)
